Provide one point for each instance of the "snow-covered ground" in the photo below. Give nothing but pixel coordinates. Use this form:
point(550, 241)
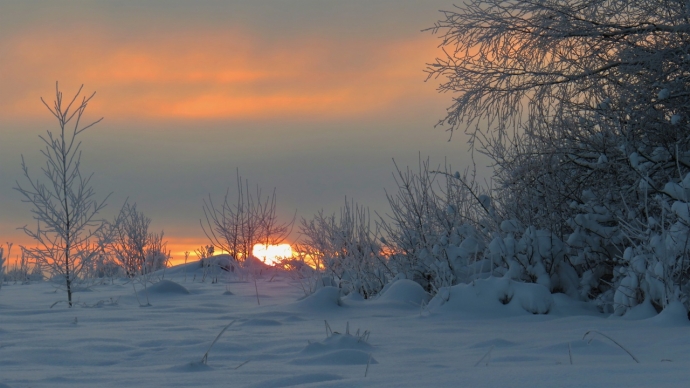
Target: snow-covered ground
point(468, 339)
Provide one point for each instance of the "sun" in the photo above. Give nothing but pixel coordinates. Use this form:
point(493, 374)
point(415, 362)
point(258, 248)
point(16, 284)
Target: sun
point(271, 254)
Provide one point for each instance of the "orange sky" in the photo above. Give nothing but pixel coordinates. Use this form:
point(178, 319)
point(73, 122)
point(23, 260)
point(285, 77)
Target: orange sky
point(313, 98)
point(213, 73)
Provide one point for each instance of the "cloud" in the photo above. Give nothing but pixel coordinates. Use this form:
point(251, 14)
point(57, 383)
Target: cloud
point(213, 73)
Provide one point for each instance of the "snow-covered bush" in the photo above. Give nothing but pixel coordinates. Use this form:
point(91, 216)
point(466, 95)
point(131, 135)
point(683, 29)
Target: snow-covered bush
point(656, 266)
point(306, 268)
point(533, 255)
point(22, 271)
point(348, 248)
point(434, 233)
point(107, 267)
point(157, 254)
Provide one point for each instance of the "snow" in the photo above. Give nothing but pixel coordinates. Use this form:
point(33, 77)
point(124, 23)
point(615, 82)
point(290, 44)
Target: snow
point(494, 297)
point(663, 94)
point(329, 340)
point(167, 287)
point(404, 291)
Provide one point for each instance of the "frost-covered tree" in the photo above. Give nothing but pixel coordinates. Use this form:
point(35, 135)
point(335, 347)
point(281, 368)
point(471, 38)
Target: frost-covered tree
point(137, 250)
point(582, 106)
point(511, 61)
point(63, 202)
point(561, 93)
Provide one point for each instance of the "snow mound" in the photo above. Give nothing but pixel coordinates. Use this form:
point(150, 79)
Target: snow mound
point(336, 341)
point(405, 291)
point(223, 260)
point(643, 310)
point(337, 349)
point(167, 287)
point(307, 378)
point(327, 297)
point(353, 296)
point(674, 314)
point(495, 297)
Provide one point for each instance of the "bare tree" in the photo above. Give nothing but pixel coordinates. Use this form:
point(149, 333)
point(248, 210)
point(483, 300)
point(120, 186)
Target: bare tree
point(237, 225)
point(272, 231)
point(64, 207)
point(2, 263)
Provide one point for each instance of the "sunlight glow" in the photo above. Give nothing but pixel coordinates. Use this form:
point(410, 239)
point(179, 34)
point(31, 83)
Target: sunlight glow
point(229, 79)
point(271, 254)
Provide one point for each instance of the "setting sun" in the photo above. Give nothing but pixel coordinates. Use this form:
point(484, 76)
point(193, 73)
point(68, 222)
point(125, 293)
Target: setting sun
point(271, 254)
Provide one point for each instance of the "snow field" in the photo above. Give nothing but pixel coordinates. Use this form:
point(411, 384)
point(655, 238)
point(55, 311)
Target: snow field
point(107, 340)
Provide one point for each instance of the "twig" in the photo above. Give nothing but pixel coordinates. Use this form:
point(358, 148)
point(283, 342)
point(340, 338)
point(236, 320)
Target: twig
point(53, 305)
point(487, 356)
point(328, 329)
point(204, 359)
point(612, 340)
point(257, 292)
point(368, 362)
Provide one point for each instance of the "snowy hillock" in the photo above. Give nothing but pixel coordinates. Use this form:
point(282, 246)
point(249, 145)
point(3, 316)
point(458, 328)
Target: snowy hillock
point(167, 287)
point(674, 314)
point(325, 298)
point(494, 297)
point(337, 349)
point(222, 265)
point(404, 291)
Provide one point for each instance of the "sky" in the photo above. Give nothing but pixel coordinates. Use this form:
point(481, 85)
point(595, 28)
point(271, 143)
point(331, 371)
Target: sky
point(313, 98)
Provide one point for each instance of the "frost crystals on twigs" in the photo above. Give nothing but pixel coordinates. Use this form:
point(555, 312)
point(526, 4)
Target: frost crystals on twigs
point(68, 234)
